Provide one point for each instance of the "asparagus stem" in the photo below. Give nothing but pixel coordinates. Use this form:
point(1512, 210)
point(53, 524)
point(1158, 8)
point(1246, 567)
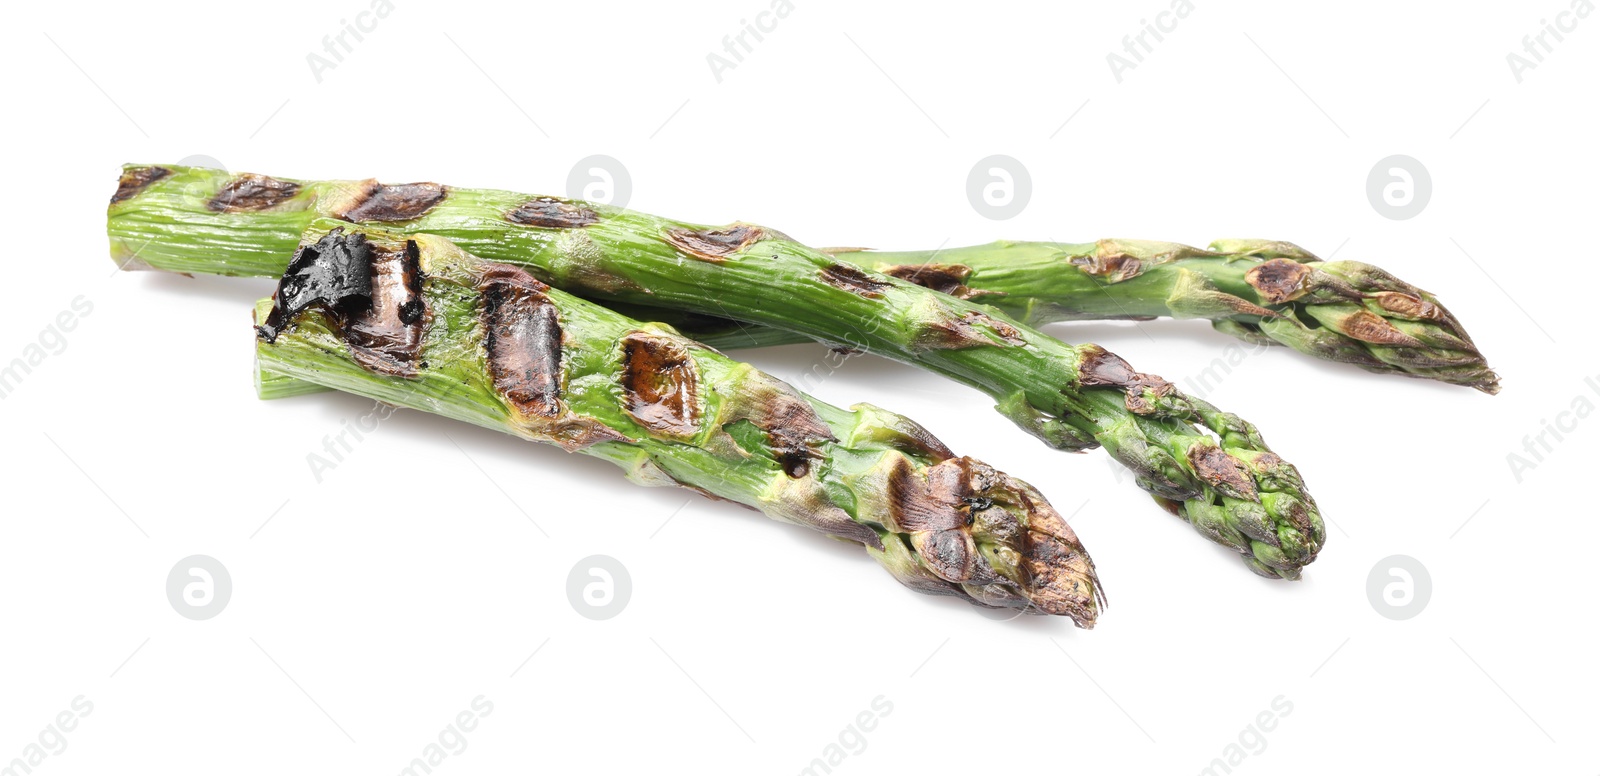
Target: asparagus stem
point(1209, 467)
point(1256, 290)
point(486, 343)
point(1264, 292)
point(272, 384)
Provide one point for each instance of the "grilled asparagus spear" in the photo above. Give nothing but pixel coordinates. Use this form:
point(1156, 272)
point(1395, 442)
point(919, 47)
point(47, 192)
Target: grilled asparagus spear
point(1271, 293)
point(417, 322)
point(1210, 467)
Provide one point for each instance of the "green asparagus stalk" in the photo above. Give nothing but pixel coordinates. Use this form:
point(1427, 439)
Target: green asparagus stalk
point(416, 322)
point(1209, 467)
point(1271, 293)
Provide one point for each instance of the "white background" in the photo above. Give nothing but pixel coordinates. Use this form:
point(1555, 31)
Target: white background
point(373, 607)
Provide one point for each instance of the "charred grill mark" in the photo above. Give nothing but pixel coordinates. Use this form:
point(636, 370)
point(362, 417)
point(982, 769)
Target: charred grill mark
point(396, 202)
point(913, 508)
point(1100, 367)
point(334, 274)
point(1369, 327)
point(1030, 557)
point(714, 245)
point(249, 193)
point(1006, 331)
point(1223, 472)
point(944, 511)
point(1058, 570)
point(661, 381)
point(522, 334)
point(931, 512)
point(951, 554)
point(793, 429)
point(387, 336)
point(1406, 305)
point(944, 278)
point(1055, 565)
point(972, 329)
point(552, 213)
point(1279, 280)
point(523, 342)
point(950, 482)
point(1110, 265)
point(853, 280)
point(134, 180)
point(1141, 392)
point(372, 294)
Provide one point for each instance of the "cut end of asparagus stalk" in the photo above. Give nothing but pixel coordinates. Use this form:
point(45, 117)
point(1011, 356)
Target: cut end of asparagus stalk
point(416, 322)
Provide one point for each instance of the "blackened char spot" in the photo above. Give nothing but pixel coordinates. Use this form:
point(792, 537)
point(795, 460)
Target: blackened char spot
point(853, 280)
point(387, 336)
point(913, 506)
point(134, 179)
point(944, 278)
point(396, 202)
point(1407, 305)
point(1223, 472)
point(793, 429)
point(249, 193)
point(366, 290)
point(1062, 577)
point(661, 381)
point(335, 274)
point(1113, 267)
point(411, 312)
point(552, 213)
point(971, 329)
point(1370, 327)
point(949, 553)
point(714, 245)
point(1279, 280)
point(940, 508)
point(1100, 367)
point(523, 340)
point(976, 504)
